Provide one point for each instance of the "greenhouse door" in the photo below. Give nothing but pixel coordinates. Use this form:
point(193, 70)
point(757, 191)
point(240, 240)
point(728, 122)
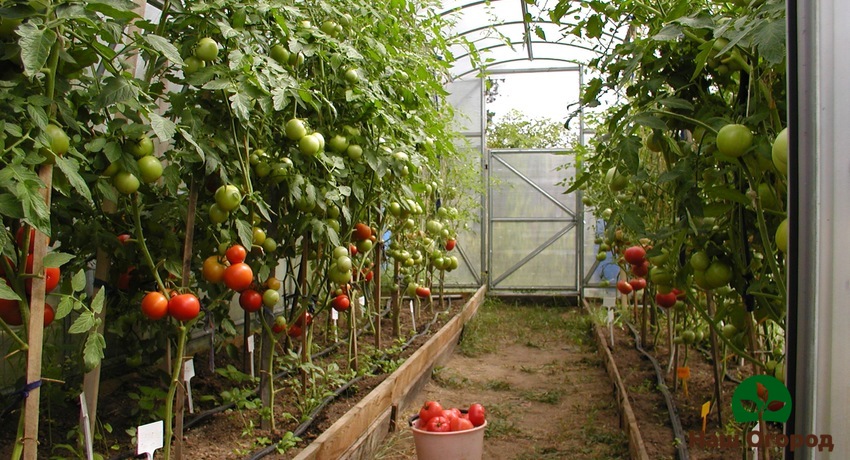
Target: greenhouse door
point(534, 232)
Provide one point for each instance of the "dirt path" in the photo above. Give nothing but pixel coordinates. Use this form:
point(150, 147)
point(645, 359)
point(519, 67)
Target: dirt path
point(535, 370)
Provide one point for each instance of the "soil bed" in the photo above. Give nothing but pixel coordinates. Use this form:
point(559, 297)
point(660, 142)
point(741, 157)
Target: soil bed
point(535, 370)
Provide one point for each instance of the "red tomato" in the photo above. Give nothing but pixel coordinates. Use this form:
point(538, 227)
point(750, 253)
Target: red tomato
point(294, 331)
point(624, 287)
point(429, 410)
point(19, 237)
point(438, 424)
point(461, 424)
point(238, 277)
point(638, 283)
point(184, 307)
point(213, 269)
point(666, 300)
point(368, 275)
point(49, 314)
point(451, 414)
point(476, 414)
point(51, 277)
point(250, 300)
point(423, 292)
point(642, 269)
point(352, 249)
point(10, 312)
point(279, 325)
point(236, 254)
point(123, 238)
point(362, 231)
point(341, 302)
point(450, 244)
point(155, 305)
point(305, 318)
point(635, 255)
point(124, 278)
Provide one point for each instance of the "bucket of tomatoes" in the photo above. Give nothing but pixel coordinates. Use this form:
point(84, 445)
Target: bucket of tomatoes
point(441, 434)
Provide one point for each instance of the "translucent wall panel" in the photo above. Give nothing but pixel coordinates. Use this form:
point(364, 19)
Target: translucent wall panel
point(466, 98)
point(515, 264)
point(525, 185)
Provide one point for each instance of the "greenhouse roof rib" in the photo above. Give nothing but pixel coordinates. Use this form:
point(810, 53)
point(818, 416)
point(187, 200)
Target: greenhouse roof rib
point(508, 35)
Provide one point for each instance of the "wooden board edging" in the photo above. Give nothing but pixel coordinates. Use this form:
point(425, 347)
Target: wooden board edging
point(637, 448)
point(347, 432)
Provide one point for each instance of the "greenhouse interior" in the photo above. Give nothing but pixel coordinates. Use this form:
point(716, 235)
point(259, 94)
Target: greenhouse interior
point(458, 229)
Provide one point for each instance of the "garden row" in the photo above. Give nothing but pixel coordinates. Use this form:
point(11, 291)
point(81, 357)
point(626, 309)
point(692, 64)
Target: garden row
point(688, 173)
point(164, 165)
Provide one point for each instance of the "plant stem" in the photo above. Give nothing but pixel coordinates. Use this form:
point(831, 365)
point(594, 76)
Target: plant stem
point(172, 389)
point(140, 237)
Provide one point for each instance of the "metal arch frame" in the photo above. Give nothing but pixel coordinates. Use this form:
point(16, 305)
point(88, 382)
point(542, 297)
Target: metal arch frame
point(484, 70)
point(538, 42)
point(514, 23)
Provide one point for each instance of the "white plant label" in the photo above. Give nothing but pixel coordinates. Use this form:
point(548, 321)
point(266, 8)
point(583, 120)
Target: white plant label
point(86, 428)
point(361, 301)
point(412, 315)
point(150, 438)
point(334, 314)
point(611, 325)
point(188, 373)
point(251, 352)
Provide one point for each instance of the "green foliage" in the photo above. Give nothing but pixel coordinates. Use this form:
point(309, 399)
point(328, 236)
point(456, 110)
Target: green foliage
point(517, 131)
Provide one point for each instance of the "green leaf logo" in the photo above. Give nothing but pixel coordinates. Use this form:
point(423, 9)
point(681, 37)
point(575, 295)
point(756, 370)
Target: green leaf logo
point(761, 394)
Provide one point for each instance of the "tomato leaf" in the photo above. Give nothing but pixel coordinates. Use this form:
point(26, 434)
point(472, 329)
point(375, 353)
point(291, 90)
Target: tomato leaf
point(162, 127)
point(93, 350)
point(97, 302)
point(769, 39)
point(246, 233)
point(57, 259)
point(78, 282)
point(35, 46)
point(670, 32)
point(10, 206)
point(164, 47)
point(116, 89)
point(118, 9)
point(8, 293)
point(650, 121)
point(65, 306)
point(241, 105)
point(83, 323)
point(70, 168)
point(36, 211)
point(191, 140)
point(38, 116)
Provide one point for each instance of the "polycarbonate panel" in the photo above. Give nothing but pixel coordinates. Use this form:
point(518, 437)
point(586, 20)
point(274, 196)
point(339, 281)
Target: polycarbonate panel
point(553, 268)
point(469, 238)
point(524, 185)
point(539, 95)
point(466, 98)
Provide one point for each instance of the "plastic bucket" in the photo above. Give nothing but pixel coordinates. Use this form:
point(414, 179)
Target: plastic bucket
point(457, 445)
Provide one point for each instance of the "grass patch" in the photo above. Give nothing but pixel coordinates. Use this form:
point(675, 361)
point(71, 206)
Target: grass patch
point(543, 396)
point(448, 379)
point(498, 323)
point(497, 385)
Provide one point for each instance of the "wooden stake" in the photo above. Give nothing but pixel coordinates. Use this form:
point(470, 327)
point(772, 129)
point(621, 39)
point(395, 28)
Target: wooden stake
point(35, 328)
point(376, 305)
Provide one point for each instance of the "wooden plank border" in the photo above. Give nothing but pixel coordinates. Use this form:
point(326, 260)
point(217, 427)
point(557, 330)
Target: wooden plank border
point(628, 421)
point(346, 438)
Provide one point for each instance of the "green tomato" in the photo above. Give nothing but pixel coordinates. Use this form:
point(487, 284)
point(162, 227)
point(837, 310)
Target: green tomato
point(218, 215)
point(269, 245)
point(126, 182)
point(364, 246)
point(354, 152)
point(699, 261)
point(271, 297)
point(192, 64)
point(59, 141)
point(718, 274)
point(309, 145)
point(228, 197)
point(781, 236)
point(779, 152)
point(295, 129)
point(616, 181)
point(329, 27)
point(334, 212)
point(141, 147)
point(262, 169)
point(338, 144)
point(258, 236)
point(280, 54)
point(352, 76)
point(734, 140)
point(343, 263)
point(206, 49)
point(150, 168)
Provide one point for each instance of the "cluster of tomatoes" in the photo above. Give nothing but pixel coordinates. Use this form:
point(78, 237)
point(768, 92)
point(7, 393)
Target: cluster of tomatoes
point(636, 257)
point(10, 310)
point(432, 417)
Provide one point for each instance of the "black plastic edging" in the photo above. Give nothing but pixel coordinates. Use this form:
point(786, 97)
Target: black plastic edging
point(678, 431)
